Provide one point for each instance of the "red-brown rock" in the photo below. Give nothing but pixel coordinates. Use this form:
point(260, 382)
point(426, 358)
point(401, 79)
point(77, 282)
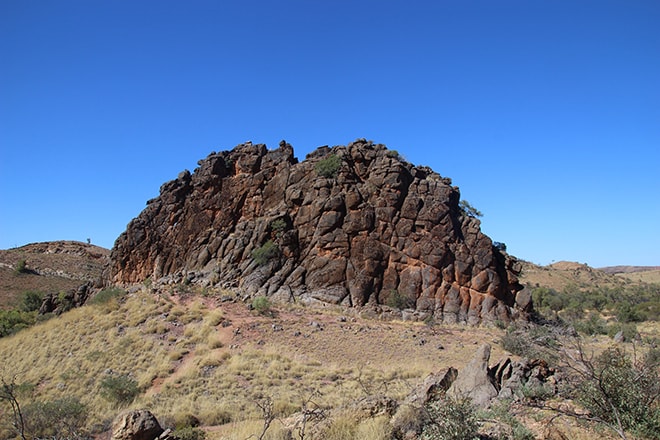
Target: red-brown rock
point(380, 228)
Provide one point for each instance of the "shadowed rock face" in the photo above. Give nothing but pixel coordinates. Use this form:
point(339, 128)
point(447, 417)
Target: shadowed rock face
point(378, 231)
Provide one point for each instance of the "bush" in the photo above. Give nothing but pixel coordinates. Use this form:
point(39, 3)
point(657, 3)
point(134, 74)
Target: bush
point(546, 298)
point(398, 301)
point(21, 267)
point(593, 325)
point(501, 411)
point(265, 253)
point(189, 433)
point(628, 330)
point(261, 304)
point(469, 210)
point(65, 302)
point(278, 226)
point(538, 342)
point(31, 300)
point(12, 321)
point(626, 312)
point(119, 389)
point(107, 295)
point(622, 393)
point(454, 419)
point(58, 419)
point(329, 166)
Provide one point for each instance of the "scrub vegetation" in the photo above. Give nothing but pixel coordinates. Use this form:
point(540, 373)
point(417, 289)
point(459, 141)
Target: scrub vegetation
point(211, 369)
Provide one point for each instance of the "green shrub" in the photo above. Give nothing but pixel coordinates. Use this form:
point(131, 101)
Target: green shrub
point(107, 295)
point(189, 433)
point(537, 392)
point(58, 419)
point(454, 419)
point(65, 302)
point(265, 253)
point(261, 304)
point(278, 226)
point(501, 411)
point(119, 389)
point(623, 394)
point(629, 330)
point(549, 299)
point(398, 301)
point(593, 325)
point(31, 300)
point(538, 342)
point(329, 166)
point(626, 312)
point(393, 154)
point(13, 320)
point(21, 267)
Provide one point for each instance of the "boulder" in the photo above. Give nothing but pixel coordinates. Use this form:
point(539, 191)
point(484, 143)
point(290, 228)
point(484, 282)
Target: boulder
point(136, 425)
point(474, 381)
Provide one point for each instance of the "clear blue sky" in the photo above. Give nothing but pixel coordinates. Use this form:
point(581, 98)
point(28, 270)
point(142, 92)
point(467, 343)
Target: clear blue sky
point(546, 114)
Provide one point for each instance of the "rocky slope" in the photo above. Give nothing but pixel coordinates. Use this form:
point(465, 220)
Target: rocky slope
point(353, 225)
point(50, 267)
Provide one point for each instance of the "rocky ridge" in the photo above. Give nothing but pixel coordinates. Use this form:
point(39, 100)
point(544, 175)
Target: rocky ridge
point(354, 225)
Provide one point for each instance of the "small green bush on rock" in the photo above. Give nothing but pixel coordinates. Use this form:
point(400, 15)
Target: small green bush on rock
point(329, 167)
point(265, 253)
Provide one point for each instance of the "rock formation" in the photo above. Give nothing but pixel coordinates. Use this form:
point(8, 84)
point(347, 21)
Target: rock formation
point(136, 425)
point(355, 225)
point(473, 380)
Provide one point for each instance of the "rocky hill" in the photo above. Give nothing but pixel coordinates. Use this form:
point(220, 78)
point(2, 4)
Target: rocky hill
point(353, 225)
point(50, 267)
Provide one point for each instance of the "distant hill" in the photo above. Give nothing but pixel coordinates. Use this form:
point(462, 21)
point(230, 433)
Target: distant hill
point(50, 267)
point(564, 273)
point(628, 269)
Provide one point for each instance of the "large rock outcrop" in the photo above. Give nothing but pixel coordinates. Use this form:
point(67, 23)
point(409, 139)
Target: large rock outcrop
point(353, 225)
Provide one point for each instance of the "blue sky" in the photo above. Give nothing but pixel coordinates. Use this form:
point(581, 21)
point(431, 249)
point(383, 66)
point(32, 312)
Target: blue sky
point(546, 114)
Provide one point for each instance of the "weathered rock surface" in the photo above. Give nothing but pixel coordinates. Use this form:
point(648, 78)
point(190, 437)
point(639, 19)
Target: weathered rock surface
point(481, 384)
point(473, 380)
point(136, 425)
point(380, 231)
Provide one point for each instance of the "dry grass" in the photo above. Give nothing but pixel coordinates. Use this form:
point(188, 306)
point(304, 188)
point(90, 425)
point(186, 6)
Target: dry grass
point(650, 276)
point(214, 361)
point(187, 359)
